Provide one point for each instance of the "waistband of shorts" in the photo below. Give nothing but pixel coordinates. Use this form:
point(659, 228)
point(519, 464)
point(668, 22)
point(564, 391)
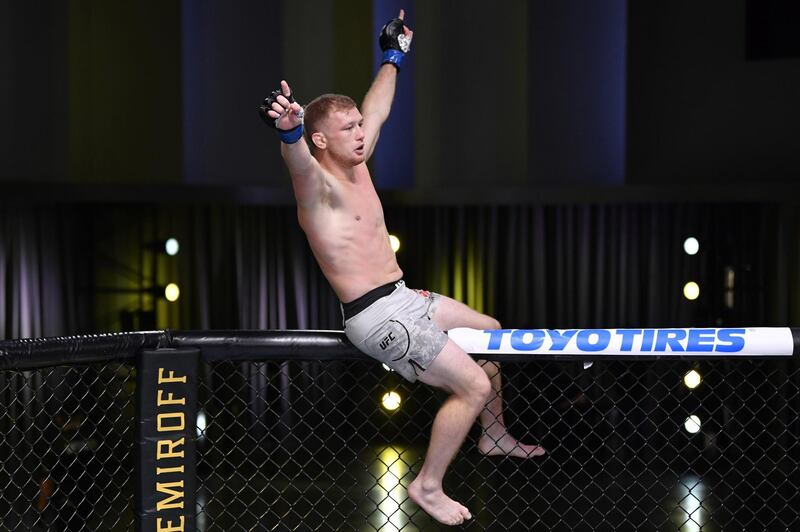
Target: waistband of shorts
point(357, 305)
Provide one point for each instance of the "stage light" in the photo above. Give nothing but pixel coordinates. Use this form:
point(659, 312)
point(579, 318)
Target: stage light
point(201, 424)
point(692, 379)
point(387, 368)
point(692, 424)
point(691, 246)
point(395, 243)
point(391, 401)
point(691, 290)
point(172, 292)
point(171, 246)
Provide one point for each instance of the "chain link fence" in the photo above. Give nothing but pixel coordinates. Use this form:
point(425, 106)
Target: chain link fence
point(308, 446)
point(66, 444)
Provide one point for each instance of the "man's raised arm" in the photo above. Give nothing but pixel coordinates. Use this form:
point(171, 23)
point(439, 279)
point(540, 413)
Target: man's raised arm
point(282, 112)
point(395, 41)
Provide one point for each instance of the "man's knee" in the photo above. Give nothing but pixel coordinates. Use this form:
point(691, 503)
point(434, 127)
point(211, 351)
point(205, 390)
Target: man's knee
point(480, 388)
point(492, 323)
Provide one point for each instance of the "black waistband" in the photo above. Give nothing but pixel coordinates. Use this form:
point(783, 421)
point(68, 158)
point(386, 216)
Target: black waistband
point(357, 305)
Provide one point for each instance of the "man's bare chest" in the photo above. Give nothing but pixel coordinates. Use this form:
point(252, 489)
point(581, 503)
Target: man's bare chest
point(358, 203)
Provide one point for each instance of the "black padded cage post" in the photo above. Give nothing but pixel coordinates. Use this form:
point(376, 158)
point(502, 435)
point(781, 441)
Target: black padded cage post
point(165, 466)
point(294, 437)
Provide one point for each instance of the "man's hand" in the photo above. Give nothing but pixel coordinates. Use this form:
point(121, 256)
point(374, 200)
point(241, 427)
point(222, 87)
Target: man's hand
point(280, 111)
point(395, 40)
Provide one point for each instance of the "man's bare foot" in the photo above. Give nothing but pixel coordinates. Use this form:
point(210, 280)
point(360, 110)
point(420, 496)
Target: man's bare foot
point(437, 504)
point(506, 445)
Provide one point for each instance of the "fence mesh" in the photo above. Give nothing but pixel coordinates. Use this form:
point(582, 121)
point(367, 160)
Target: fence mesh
point(67, 436)
point(307, 446)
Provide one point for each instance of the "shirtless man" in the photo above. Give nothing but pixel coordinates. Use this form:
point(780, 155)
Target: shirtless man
point(339, 210)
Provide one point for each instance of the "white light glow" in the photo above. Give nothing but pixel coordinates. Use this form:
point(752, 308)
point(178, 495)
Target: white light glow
point(691, 246)
point(692, 379)
point(172, 292)
point(391, 400)
point(395, 243)
point(172, 247)
point(690, 515)
point(691, 290)
point(387, 368)
point(692, 424)
point(201, 424)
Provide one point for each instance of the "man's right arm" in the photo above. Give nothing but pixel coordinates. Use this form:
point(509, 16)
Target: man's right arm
point(308, 179)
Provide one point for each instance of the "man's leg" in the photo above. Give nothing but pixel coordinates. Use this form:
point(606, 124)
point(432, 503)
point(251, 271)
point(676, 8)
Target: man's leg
point(456, 373)
point(495, 439)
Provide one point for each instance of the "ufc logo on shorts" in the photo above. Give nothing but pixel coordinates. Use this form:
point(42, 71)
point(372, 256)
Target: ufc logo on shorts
point(387, 340)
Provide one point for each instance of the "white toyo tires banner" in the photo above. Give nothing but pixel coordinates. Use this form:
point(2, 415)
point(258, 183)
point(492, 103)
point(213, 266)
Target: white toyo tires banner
point(745, 341)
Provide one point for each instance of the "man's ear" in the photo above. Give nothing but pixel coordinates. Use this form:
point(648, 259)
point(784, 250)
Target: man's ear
point(319, 140)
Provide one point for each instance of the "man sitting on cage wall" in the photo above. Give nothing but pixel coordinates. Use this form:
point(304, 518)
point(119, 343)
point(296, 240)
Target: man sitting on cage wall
point(339, 210)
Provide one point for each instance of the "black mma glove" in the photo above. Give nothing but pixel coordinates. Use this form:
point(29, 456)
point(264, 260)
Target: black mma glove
point(394, 42)
point(289, 136)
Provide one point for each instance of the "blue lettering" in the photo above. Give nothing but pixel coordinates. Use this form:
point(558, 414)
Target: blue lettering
point(701, 340)
point(627, 338)
point(518, 339)
point(734, 339)
point(560, 340)
point(584, 339)
point(496, 337)
point(647, 340)
point(670, 338)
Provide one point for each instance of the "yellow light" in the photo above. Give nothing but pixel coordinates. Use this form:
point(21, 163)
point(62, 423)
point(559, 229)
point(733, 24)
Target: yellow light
point(394, 242)
point(692, 379)
point(172, 292)
point(691, 290)
point(391, 400)
point(392, 471)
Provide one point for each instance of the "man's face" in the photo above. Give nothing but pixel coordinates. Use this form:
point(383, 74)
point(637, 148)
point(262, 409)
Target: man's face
point(345, 136)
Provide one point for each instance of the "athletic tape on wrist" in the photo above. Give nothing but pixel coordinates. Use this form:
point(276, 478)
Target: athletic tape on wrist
point(393, 57)
point(292, 135)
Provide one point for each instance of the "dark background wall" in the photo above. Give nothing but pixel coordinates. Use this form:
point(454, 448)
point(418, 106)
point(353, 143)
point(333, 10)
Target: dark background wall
point(90, 92)
point(34, 74)
point(522, 94)
point(231, 51)
point(698, 109)
point(576, 92)
point(527, 104)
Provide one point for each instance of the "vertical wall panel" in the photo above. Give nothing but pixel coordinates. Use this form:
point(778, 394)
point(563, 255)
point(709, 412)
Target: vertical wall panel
point(33, 90)
point(577, 65)
point(232, 57)
point(393, 159)
point(124, 91)
point(471, 93)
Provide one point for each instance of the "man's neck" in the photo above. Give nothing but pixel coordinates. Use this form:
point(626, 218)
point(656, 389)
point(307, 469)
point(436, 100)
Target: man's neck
point(344, 173)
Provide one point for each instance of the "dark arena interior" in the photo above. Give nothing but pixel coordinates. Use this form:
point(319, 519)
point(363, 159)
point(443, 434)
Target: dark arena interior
point(593, 207)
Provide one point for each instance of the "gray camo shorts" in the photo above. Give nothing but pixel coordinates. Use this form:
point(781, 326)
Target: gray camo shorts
point(398, 330)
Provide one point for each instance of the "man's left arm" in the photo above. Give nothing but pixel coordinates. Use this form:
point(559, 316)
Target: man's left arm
point(395, 41)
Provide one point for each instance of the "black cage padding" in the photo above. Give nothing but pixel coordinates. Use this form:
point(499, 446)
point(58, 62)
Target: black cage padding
point(215, 345)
